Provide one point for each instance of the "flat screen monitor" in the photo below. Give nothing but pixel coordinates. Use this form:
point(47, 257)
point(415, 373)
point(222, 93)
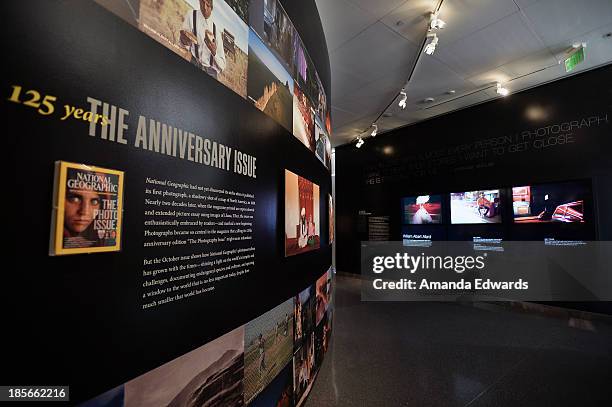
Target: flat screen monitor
point(475, 207)
point(422, 210)
point(562, 202)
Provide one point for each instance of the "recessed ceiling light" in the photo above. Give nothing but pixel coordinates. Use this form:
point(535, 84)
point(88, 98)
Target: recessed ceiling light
point(429, 100)
point(387, 114)
point(451, 92)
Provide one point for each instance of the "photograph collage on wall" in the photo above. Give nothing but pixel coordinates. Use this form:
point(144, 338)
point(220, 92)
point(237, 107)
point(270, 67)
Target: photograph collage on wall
point(87, 209)
point(313, 326)
point(270, 361)
point(268, 345)
point(213, 372)
point(254, 363)
point(250, 46)
point(302, 217)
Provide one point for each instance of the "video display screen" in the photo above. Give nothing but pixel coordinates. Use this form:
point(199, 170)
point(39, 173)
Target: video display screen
point(475, 207)
point(422, 209)
point(550, 203)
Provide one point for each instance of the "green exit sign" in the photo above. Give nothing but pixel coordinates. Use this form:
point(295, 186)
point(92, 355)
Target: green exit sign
point(575, 59)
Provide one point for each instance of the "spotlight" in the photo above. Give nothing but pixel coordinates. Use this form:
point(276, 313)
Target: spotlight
point(375, 131)
point(402, 102)
point(501, 90)
point(359, 142)
point(431, 47)
point(435, 23)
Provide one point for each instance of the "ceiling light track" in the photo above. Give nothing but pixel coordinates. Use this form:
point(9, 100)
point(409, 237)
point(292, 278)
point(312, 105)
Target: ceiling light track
point(485, 88)
point(439, 25)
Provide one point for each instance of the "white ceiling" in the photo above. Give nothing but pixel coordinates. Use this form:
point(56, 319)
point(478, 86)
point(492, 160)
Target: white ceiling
point(374, 43)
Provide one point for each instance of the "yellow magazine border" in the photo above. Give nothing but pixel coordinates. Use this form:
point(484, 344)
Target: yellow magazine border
point(60, 201)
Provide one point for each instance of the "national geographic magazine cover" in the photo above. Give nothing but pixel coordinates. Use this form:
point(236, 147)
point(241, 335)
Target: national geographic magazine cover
point(87, 209)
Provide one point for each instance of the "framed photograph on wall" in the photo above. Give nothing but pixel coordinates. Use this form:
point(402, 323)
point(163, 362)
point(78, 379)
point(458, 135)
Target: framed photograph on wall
point(302, 217)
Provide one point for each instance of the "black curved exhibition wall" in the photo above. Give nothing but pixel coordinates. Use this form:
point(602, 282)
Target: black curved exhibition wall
point(553, 133)
point(87, 320)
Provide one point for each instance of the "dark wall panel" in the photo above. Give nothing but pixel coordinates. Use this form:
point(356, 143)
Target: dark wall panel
point(78, 319)
point(556, 132)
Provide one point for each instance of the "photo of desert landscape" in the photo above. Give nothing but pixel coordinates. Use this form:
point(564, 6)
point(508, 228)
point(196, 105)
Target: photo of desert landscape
point(209, 375)
point(303, 118)
point(269, 86)
point(268, 344)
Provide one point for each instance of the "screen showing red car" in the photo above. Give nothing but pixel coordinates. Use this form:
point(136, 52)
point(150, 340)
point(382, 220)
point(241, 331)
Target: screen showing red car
point(548, 203)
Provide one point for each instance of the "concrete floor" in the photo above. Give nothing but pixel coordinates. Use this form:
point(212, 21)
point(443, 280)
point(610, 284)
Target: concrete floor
point(448, 354)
